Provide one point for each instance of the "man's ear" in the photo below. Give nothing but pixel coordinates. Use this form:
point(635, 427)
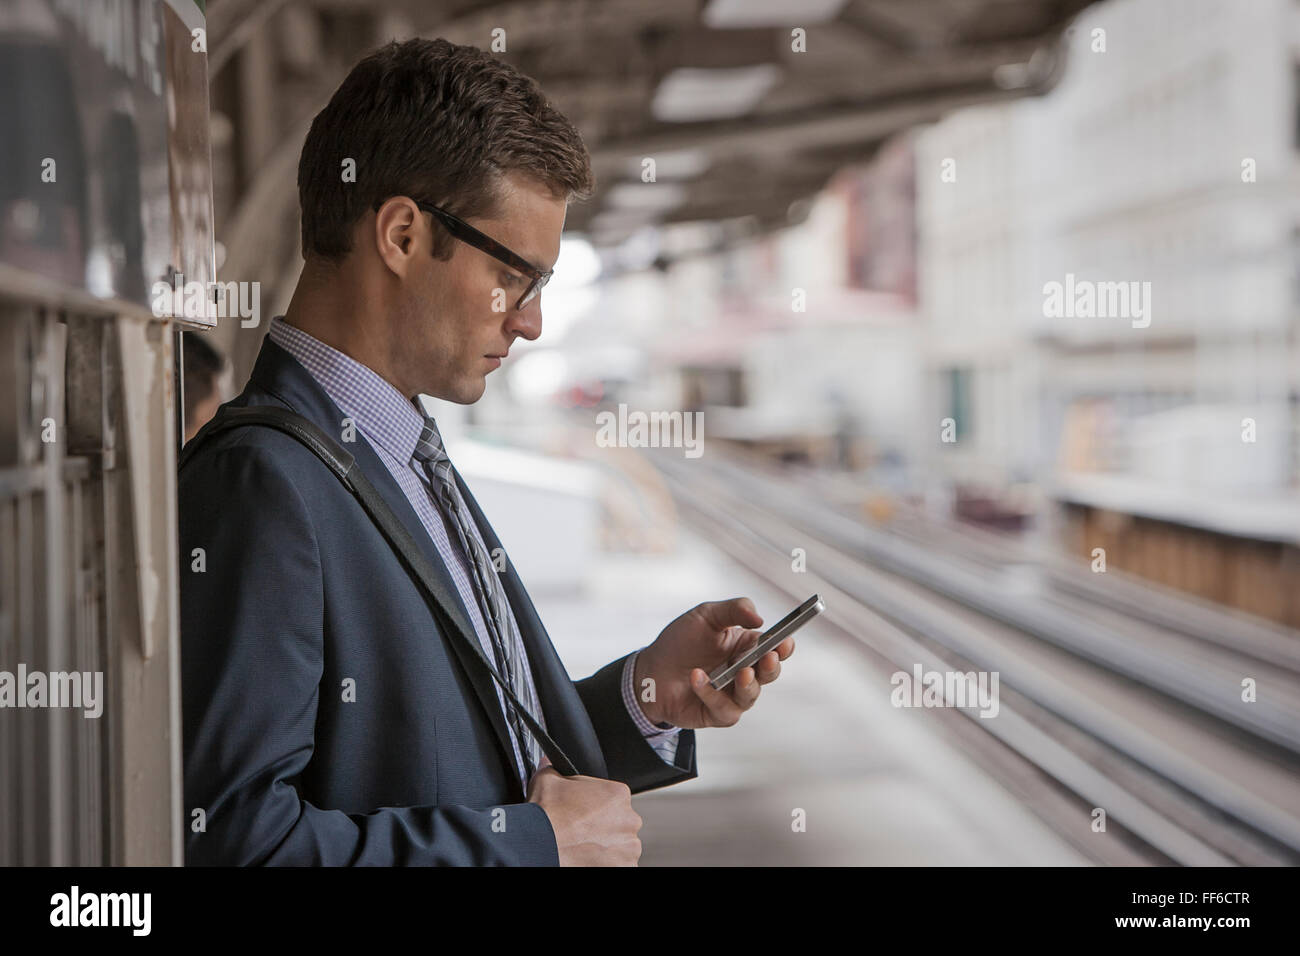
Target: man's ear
point(396, 233)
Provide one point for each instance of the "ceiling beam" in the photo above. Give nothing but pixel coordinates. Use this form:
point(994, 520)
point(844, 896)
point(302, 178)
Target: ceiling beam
point(837, 125)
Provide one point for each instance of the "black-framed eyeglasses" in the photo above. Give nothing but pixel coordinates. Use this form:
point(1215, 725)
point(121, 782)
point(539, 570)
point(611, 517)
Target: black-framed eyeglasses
point(471, 236)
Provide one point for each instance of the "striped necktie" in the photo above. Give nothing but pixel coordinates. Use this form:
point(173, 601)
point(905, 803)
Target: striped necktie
point(508, 650)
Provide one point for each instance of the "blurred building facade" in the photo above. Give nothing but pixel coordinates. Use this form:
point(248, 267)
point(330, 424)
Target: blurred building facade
point(1169, 437)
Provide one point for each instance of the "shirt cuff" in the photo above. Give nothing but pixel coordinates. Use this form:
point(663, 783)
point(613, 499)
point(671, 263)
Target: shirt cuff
point(643, 723)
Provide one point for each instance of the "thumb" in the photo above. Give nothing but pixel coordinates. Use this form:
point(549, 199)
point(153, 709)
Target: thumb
point(720, 615)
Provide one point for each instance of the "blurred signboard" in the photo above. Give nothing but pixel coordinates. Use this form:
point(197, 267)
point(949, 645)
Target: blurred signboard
point(105, 173)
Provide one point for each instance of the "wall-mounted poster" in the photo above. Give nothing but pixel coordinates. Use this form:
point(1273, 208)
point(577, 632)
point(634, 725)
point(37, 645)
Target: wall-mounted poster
point(105, 176)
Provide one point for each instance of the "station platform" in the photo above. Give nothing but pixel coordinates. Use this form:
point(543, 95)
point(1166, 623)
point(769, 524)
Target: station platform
point(879, 785)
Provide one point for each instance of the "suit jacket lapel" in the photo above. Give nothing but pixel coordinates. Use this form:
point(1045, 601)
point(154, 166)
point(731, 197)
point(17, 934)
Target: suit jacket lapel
point(280, 374)
point(465, 639)
point(566, 716)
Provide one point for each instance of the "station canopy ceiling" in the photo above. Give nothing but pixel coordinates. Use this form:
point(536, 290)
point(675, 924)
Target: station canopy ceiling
point(743, 128)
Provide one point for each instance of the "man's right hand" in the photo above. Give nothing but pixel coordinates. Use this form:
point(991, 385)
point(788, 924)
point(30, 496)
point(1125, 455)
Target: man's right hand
point(593, 819)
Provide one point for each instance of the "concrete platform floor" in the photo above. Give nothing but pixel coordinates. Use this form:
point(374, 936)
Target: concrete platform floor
point(879, 785)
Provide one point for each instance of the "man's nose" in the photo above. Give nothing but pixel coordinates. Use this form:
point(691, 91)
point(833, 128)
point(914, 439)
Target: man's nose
point(527, 322)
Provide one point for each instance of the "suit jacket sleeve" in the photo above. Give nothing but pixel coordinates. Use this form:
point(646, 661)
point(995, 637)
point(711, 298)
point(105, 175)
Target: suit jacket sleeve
point(251, 664)
point(628, 755)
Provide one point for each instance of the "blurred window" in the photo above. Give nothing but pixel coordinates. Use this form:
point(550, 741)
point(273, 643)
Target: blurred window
point(959, 388)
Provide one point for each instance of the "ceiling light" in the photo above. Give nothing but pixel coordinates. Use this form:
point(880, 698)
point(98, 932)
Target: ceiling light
point(657, 197)
point(769, 13)
point(675, 164)
point(693, 94)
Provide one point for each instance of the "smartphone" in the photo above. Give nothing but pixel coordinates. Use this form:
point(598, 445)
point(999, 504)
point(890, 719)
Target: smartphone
point(773, 636)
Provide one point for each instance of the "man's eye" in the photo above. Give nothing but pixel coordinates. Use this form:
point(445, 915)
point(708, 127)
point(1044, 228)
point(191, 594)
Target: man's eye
point(512, 279)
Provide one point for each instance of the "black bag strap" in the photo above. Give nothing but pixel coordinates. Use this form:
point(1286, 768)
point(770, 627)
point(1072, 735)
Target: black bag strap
point(347, 470)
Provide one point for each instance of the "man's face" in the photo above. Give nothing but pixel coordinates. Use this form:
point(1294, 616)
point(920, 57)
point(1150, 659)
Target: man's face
point(450, 324)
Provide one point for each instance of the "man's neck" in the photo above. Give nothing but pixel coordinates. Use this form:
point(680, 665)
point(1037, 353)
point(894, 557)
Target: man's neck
point(327, 312)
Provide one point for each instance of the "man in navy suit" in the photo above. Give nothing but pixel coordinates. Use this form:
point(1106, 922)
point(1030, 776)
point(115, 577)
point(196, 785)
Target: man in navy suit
point(331, 715)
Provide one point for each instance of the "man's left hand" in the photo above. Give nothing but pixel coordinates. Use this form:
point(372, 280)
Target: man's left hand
point(689, 649)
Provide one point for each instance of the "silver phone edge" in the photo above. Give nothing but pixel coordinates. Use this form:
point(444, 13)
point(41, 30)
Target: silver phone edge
point(754, 654)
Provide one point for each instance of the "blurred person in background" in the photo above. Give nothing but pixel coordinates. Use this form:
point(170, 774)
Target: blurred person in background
point(331, 714)
point(205, 381)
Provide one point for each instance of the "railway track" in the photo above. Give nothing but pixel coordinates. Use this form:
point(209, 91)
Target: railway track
point(1136, 711)
point(1051, 571)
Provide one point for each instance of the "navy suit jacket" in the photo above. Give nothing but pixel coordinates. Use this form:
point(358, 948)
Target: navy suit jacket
point(294, 598)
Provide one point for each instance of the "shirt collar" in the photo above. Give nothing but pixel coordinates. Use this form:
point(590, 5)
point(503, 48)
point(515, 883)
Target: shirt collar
point(374, 404)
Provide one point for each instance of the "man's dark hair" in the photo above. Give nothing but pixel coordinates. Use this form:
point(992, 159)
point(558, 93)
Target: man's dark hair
point(436, 121)
point(202, 365)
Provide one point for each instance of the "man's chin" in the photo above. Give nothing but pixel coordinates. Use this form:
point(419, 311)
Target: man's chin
point(469, 394)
